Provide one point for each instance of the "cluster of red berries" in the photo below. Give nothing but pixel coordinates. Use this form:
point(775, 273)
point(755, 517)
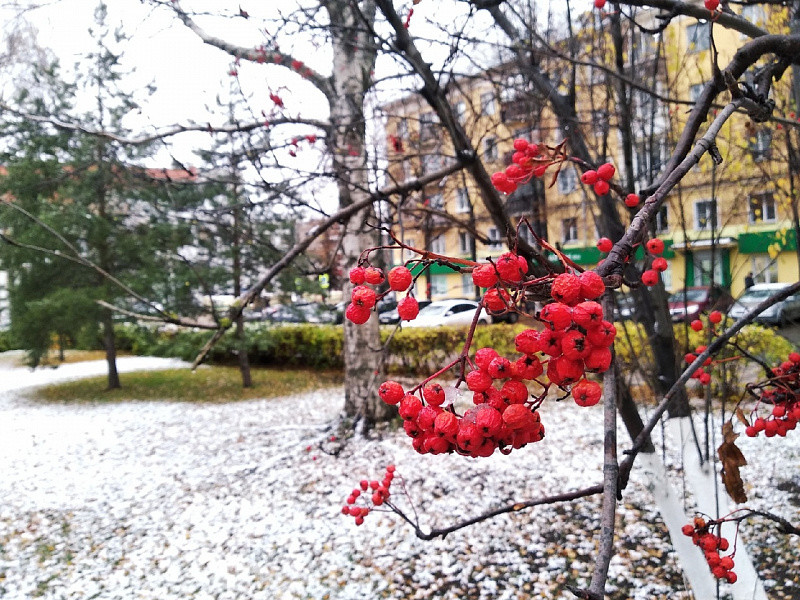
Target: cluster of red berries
point(526, 162)
point(711, 545)
point(502, 418)
point(711, 5)
point(702, 375)
point(782, 393)
point(379, 494)
point(310, 138)
point(599, 179)
point(654, 246)
point(364, 298)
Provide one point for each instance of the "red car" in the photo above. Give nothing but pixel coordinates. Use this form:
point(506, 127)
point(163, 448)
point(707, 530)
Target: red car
point(690, 303)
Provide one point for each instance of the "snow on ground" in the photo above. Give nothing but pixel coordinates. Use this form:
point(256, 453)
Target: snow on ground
point(172, 500)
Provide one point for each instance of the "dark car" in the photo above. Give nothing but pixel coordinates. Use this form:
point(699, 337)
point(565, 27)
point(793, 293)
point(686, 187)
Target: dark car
point(691, 302)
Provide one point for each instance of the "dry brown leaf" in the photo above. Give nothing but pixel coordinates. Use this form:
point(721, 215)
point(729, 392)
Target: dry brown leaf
point(732, 458)
point(742, 418)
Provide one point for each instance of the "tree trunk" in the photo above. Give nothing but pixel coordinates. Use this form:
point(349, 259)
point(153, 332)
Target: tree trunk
point(109, 342)
point(354, 54)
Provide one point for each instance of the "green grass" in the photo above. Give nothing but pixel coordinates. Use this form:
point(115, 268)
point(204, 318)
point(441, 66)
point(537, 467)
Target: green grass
point(207, 384)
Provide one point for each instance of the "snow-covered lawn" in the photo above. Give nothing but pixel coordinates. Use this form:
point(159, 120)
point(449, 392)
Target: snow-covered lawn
point(167, 500)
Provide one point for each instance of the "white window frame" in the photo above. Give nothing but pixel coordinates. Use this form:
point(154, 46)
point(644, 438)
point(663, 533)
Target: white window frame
point(567, 180)
point(466, 243)
point(438, 285)
point(569, 230)
point(462, 200)
point(696, 215)
point(436, 201)
point(491, 152)
point(438, 245)
point(488, 104)
point(696, 42)
point(761, 147)
point(661, 226)
point(767, 204)
point(695, 91)
point(764, 268)
point(407, 253)
point(495, 240)
point(467, 286)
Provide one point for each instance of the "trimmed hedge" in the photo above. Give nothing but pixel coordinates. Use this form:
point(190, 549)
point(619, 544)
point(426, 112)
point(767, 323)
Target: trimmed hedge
point(410, 351)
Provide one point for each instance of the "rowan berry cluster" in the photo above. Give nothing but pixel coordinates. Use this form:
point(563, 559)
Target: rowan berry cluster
point(364, 298)
point(529, 160)
point(659, 264)
point(599, 179)
point(712, 545)
point(371, 493)
point(576, 340)
point(781, 393)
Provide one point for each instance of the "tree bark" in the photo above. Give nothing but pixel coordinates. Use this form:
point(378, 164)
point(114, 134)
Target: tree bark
point(110, 344)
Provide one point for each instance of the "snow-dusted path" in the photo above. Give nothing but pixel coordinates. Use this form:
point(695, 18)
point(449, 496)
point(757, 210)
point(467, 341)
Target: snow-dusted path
point(170, 501)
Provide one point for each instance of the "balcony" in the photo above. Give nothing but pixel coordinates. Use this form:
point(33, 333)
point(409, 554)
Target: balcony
point(517, 110)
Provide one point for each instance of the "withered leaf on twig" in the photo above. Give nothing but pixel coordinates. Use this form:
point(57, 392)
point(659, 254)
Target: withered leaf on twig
point(732, 458)
point(742, 418)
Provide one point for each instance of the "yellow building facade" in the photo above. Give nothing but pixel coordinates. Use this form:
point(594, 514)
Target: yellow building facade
point(721, 223)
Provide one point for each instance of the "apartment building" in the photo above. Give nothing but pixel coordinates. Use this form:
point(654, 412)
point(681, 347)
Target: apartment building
point(723, 222)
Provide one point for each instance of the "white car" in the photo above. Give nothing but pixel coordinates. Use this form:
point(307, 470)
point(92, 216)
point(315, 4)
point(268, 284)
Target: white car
point(448, 312)
point(778, 314)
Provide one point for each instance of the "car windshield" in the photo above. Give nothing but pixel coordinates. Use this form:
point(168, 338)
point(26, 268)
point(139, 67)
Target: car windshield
point(758, 295)
point(688, 296)
point(433, 309)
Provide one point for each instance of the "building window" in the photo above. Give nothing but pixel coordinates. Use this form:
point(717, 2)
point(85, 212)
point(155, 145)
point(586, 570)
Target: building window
point(438, 285)
point(488, 107)
point(662, 219)
point(460, 110)
point(649, 158)
point(666, 277)
point(466, 243)
point(495, 241)
point(600, 122)
point(704, 267)
point(467, 287)
point(695, 91)
point(760, 145)
point(436, 202)
point(427, 126)
point(402, 128)
point(431, 163)
point(462, 200)
point(569, 230)
point(490, 151)
point(704, 215)
point(408, 253)
point(762, 208)
point(765, 270)
point(567, 180)
point(698, 37)
point(437, 245)
point(405, 167)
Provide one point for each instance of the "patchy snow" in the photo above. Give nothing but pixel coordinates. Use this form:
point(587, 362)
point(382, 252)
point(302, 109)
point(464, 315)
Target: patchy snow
point(173, 500)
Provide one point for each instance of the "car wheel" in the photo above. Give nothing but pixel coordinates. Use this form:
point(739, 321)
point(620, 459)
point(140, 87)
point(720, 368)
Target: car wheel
point(513, 317)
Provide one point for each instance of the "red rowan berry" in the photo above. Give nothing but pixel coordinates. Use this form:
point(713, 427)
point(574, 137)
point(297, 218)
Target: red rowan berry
point(400, 279)
point(446, 424)
point(528, 367)
point(499, 368)
point(687, 530)
point(514, 172)
point(520, 158)
point(357, 314)
point(363, 296)
point(478, 381)
point(496, 300)
point(715, 317)
point(569, 370)
point(726, 562)
point(527, 341)
point(551, 342)
point(427, 416)
point(566, 288)
point(484, 276)
point(391, 392)
point(696, 325)
point(794, 357)
point(484, 356)
point(711, 5)
point(520, 145)
point(604, 244)
point(373, 275)
point(599, 4)
point(518, 416)
point(592, 285)
point(660, 264)
point(655, 246)
point(586, 393)
point(650, 277)
point(468, 435)
point(705, 378)
point(723, 544)
point(408, 309)
point(712, 558)
point(750, 431)
point(509, 267)
point(598, 360)
point(433, 394)
point(689, 358)
point(363, 484)
point(532, 150)
point(601, 187)
point(557, 315)
point(603, 335)
point(606, 171)
point(488, 420)
point(589, 177)
point(587, 314)
point(719, 571)
point(574, 346)
point(515, 391)
point(731, 577)
point(539, 170)
point(632, 200)
point(357, 275)
point(410, 406)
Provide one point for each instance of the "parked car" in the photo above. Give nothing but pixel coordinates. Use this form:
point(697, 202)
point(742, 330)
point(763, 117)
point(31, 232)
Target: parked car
point(448, 312)
point(285, 314)
point(391, 317)
point(778, 314)
point(624, 307)
point(690, 303)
